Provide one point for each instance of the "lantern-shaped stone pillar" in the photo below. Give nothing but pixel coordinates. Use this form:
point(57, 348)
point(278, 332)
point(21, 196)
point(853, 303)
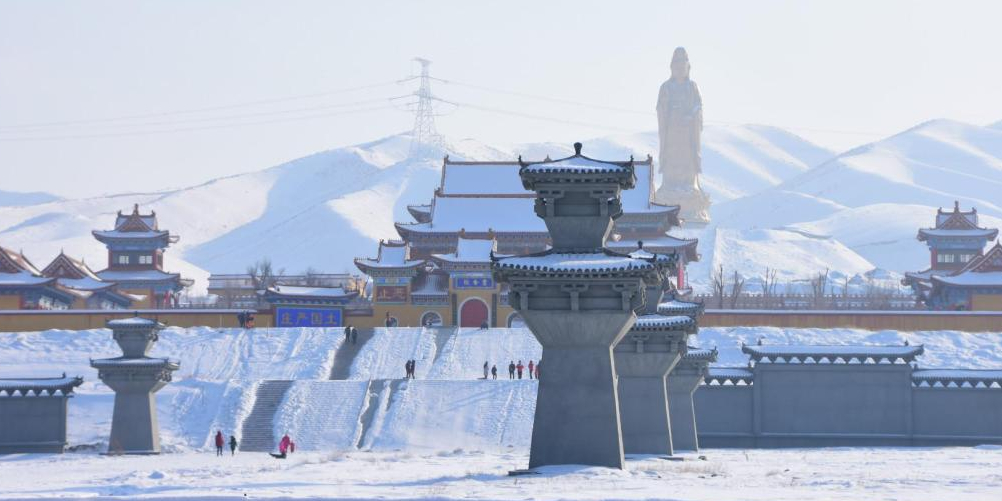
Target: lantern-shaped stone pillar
point(135, 377)
point(683, 381)
point(643, 360)
point(578, 299)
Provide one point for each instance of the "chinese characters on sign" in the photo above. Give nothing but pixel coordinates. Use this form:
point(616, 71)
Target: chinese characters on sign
point(307, 317)
point(473, 283)
point(391, 293)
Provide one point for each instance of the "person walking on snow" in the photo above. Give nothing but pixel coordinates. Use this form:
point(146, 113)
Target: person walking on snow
point(354, 335)
point(537, 368)
point(407, 369)
point(347, 334)
point(520, 368)
point(532, 366)
point(485, 370)
point(219, 442)
point(285, 446)
point(511, 369)
point(233, 445)
point(494, 371)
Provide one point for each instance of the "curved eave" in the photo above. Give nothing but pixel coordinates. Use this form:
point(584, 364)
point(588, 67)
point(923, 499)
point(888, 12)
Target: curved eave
point(367, 268)
point(986, 233)
point(420, 213)
point(164, 237)
point(945, 281)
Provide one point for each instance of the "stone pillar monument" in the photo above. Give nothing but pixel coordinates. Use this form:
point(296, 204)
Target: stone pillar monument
point(680, 124)
point(135, 377)
point(578, 299)
point(682, 383)
point(644, 358)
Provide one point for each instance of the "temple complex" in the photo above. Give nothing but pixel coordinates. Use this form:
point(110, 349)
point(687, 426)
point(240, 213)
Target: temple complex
point(438, 272)
point(961, 276)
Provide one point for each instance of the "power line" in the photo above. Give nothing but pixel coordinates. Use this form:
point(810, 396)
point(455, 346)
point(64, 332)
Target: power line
point(224, 117)
point(187, 129)
point(638, 112)
point(205, 109)
point(542, 118)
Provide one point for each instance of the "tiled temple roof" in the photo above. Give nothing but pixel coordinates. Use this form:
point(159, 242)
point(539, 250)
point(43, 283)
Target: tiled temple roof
point(39, 386)
point(832, 354)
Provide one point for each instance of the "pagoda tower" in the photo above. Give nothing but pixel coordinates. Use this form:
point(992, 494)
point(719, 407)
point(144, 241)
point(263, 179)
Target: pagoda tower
point(579, 299)
point(135, 377)
point(136, 259)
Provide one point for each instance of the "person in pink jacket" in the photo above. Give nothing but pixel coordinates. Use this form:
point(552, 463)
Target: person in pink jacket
point(285, 446)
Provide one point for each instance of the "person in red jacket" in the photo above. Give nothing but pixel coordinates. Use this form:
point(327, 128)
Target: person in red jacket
point(520, 368)
point(532, 367)
point(219, 442)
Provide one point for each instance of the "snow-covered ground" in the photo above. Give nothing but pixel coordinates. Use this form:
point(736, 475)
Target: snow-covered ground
point(446, 435)
point(851, 474)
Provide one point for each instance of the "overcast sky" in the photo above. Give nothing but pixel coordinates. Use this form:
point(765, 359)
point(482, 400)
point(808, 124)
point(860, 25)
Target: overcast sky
point(839, 73)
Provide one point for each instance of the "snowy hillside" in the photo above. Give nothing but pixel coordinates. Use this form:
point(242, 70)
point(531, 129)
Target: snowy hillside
point(327, 208)
point(874, 198)
point(17, 199)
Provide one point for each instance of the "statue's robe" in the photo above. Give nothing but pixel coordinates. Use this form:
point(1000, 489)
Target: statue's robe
point(680, 122)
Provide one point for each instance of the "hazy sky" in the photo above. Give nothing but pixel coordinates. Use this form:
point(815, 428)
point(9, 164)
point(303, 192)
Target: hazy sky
point(839, 73)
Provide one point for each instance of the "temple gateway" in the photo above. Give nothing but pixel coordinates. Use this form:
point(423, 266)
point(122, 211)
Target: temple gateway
point(438, 272)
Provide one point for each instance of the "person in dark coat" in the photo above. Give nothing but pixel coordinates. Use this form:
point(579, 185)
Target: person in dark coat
point(485, 369)
point(511, 369)
point(520, 368)
point(494, 371)
point(389, 320)
point(407, 369)
point(219, 442)
point(354, 335)
point(347, 334)
point(233, 445)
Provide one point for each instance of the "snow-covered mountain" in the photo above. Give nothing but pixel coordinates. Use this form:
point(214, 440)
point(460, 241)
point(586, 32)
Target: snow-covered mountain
point(874, 198)
point(327, 208)
point(851, 212)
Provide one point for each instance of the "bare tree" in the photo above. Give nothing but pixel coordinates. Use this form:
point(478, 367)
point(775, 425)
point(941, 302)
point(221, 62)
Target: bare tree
point(262, 274)
point(737, 285)
point(311, 277)
point(819, 284)
point(718, 285)
point(768, 286)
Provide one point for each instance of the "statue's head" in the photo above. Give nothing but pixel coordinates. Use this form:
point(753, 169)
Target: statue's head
point(680, 64)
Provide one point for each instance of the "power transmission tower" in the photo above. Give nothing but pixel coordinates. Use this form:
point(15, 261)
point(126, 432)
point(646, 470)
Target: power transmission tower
point(424, 139)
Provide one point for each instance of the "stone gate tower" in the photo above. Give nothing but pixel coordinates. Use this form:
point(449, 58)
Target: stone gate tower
point(579, 299)
point(135, 377)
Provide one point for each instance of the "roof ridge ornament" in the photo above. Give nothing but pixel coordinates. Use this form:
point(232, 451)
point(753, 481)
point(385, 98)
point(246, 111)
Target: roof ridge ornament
point(577, 149)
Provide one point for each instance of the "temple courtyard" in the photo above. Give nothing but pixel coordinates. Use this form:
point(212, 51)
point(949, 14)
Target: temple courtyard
point(789, 474)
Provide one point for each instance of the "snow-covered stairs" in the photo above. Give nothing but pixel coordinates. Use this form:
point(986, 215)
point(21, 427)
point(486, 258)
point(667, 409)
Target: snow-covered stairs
point(257, 432)
point(345, 355)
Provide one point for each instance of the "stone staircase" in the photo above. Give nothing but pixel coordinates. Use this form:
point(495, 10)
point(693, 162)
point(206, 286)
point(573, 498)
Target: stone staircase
point(346, 354)
point(257, 432)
